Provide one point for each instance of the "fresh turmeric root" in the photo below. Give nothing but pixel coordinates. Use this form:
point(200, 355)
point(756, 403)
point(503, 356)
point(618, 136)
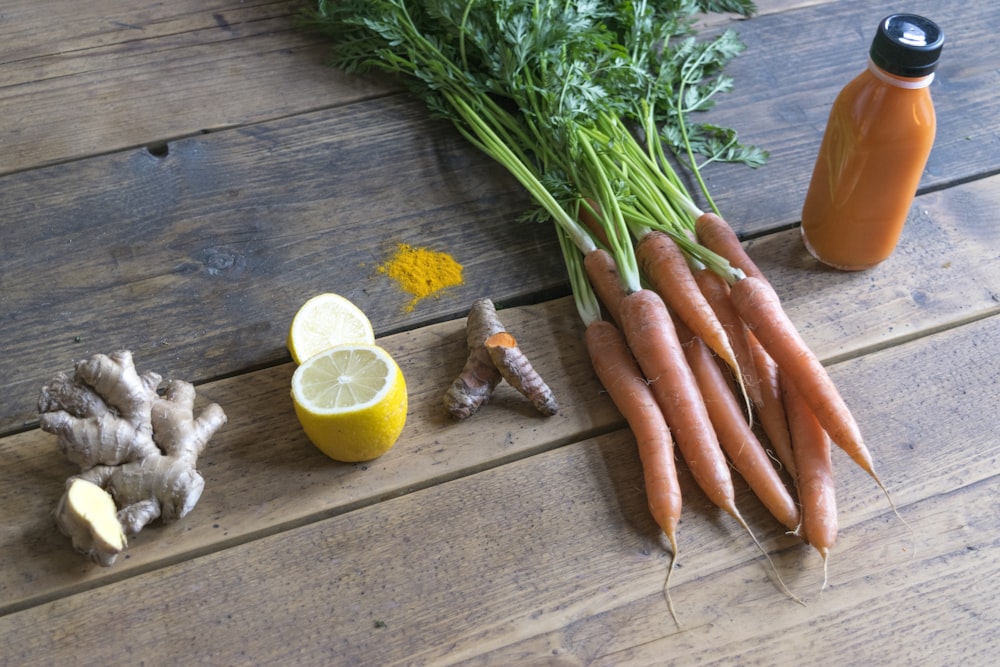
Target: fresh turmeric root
point(518, 371)
point(136, 450)
point(493, 356)
point(479, 377)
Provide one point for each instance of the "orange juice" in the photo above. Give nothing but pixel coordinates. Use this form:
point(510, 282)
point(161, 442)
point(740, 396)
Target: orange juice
point(877, 141)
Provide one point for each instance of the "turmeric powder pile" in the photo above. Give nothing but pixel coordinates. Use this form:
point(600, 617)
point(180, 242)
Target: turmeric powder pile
point(421, 272)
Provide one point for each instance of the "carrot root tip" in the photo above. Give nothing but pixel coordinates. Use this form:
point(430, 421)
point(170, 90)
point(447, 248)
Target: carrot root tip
point(781, 582)
point(825, 553)
point(666, 590)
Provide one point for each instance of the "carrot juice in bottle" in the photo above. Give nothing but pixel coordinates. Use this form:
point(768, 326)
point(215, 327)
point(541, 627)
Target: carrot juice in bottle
point(876, 144)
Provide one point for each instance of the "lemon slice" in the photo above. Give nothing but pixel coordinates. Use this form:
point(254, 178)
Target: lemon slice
point(324, 321)
point(351, 401)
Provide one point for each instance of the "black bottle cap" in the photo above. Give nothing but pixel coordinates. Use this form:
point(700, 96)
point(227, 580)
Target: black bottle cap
point(907, 45)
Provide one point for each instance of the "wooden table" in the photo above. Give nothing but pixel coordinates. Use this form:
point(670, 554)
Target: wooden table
point(177, 178)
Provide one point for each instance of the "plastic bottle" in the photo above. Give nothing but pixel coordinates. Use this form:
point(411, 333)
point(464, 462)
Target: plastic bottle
point(875, 147)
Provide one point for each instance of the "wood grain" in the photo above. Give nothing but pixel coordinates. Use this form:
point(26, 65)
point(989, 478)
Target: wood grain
point(121, 75)
point(177, 178)
point(197, 261)
point(466, 588)
point(841, 315)
point(181, 290)
point(263, 476)
point(164, 254)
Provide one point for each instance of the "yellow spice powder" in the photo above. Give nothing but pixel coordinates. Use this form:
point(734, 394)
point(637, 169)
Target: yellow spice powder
point(421, 272)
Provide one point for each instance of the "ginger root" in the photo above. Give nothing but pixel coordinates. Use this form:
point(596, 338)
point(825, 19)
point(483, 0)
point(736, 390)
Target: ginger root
point(139, 448)
point(494, 355)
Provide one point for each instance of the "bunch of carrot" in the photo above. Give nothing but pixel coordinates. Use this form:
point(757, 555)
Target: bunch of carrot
point(582, 102)
point(674, 388)
point(703, 349)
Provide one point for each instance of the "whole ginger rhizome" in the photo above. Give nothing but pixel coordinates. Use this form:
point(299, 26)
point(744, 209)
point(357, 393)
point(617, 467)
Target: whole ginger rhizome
point(136, 448)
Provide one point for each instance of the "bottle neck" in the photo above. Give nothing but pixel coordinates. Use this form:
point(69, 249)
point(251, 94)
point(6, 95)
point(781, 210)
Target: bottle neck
point(911, 83)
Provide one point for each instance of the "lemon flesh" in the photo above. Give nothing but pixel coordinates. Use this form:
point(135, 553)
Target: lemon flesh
point(351, 401)
point(324, 321)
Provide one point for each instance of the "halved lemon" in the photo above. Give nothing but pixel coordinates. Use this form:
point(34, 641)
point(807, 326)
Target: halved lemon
point(351, 401)
point(324, 321)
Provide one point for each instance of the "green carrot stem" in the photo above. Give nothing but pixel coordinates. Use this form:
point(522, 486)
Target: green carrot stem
point(492, 145)
point(587, 305)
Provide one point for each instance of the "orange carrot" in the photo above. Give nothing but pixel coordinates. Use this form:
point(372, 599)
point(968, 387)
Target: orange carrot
point(760, 308)
point(816, 489)
point(716, 292)
point(760, 372)
point(771, 411)
point(588, 213)
point(735, 435)
point(604, 278)
point(666, 267)
point(618, 371)
point(620, 375)
point(650, 334)
point(715, 234)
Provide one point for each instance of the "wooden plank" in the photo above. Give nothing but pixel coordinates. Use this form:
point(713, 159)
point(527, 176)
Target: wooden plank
point(124, 77)
point(198, 260)
point(171, 262)
point(895, 608)
point(841, 315)
point(31, 33)
point(554, 557)
point(121, 75)
point(262, 475)
point(710, 23)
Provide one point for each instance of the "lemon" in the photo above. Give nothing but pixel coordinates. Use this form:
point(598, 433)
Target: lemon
point(351, 401)
point(324, 321)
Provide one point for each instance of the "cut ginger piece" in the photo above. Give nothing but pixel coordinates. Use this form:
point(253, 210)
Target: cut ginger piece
point(90, 518)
